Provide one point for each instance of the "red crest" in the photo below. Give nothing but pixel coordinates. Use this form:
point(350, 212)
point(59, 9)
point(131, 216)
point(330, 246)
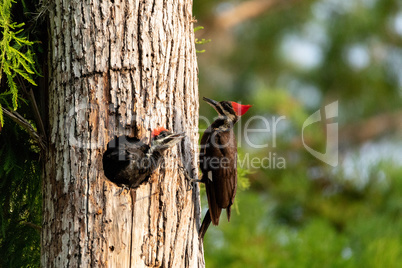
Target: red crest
point(239, 108)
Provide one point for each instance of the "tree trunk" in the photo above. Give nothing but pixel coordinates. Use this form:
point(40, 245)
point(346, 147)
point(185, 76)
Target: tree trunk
point(120, 68)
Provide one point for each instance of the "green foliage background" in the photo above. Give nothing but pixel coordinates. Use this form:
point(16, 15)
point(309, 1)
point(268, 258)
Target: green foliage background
point(20, 171)
point(289, 61)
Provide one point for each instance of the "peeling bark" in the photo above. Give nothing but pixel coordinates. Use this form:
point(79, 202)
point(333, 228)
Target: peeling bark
point(120, 68)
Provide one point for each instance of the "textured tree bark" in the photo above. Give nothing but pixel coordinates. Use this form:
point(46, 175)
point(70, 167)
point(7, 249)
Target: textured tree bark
point(120, 67)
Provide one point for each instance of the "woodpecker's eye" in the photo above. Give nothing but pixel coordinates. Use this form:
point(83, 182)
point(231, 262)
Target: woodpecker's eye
point(227, 106)
point(163, 134)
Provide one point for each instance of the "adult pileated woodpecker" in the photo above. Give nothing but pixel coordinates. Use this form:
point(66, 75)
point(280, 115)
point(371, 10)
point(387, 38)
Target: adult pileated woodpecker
point(129, 161)
point(218, 160)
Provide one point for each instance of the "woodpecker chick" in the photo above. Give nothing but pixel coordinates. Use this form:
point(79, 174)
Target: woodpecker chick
point(218, 160)
point(129, 161)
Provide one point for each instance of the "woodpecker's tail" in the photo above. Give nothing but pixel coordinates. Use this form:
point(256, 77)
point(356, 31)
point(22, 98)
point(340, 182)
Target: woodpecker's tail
point(204, 226)
point(228, 210)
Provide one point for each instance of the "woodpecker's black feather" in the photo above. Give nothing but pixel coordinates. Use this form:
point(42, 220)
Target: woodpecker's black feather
point(129, 161)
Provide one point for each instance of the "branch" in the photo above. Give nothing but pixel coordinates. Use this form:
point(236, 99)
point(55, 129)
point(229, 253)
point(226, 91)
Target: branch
point(371, 128)
point(34, 106)
point(37, 114)
point(33, 225)
point(245, 11)
point(361, 132)
point(16, 117)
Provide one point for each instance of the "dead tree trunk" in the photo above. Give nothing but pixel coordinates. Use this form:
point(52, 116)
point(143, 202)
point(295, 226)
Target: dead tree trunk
point(120, 67)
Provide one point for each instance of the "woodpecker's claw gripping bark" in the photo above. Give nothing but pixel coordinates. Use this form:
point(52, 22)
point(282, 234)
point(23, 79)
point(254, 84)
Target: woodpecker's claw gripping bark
point(188, 178)
point(122, 188)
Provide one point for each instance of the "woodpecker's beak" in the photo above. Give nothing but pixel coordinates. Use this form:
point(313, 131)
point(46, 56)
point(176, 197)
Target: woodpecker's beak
point(172, 139)
point(211, 102)
point(177, 136)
